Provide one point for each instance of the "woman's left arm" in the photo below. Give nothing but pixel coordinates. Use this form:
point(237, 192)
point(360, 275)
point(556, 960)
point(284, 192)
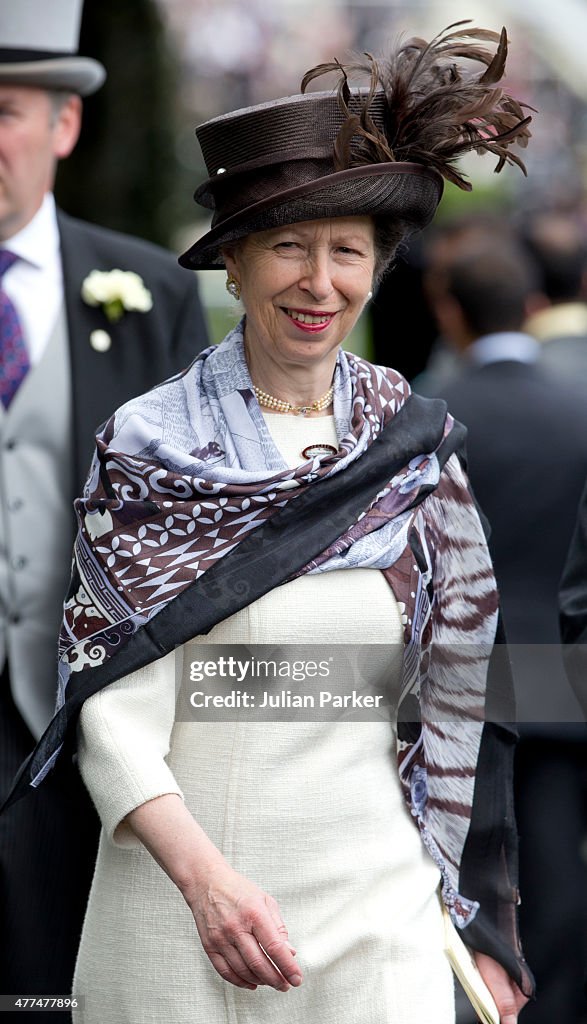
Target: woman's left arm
point(509, 999)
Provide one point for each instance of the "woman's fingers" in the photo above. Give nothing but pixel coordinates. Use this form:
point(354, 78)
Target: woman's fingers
point(243, 933)
point(508, 997)
point(226, 972)
point(234, 959)
point(276, 916)
point(260, 964)
point(276, 945)
point(244, 958)
point(239, 952)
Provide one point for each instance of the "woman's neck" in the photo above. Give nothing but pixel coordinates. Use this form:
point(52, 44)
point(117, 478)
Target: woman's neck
point(300, 387)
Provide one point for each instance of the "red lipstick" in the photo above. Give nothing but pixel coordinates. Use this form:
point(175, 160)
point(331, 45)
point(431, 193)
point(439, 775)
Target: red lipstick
point(310, 321)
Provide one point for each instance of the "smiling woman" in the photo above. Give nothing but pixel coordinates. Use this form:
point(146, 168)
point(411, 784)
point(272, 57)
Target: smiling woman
point(303, 287)
point(282, 490)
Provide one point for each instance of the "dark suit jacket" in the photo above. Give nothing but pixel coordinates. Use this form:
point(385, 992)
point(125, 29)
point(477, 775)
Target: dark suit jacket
point(146, 347)
point(573, 607)
point(566, 356)
point(527, 454)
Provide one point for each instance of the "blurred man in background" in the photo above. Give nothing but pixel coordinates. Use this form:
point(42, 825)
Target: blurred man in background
point(441, 244)
point(527, 453)
point(558, 246)
point(72, 348)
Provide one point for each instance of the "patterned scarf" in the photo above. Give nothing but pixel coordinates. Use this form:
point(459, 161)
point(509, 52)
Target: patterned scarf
point(183, 474)
point(190, 513)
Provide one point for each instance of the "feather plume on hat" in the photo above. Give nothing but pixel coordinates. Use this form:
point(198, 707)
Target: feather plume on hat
point(435, 109)
point(381, 151)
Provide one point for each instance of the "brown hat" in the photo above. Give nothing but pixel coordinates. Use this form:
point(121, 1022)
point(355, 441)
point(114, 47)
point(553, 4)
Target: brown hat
point(382, 150)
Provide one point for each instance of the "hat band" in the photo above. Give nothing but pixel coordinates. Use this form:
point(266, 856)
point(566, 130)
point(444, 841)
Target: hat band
point(244, 190)
point(356, 191)
point(12, 56)
point(205, 193)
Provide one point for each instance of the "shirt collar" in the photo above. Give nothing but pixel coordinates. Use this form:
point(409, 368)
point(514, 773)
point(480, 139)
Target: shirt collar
point(38, 242)
point(503, 346)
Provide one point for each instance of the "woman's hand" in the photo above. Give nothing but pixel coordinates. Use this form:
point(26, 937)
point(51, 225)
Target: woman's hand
point(508, 997)
point(240, 926)
point(242, 931)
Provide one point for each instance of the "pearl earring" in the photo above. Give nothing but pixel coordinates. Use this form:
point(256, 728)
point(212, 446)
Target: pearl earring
point(369, 295)
point(233, 287)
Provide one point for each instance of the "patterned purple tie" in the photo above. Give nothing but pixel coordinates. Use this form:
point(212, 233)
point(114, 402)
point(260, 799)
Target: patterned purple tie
point(14, 360)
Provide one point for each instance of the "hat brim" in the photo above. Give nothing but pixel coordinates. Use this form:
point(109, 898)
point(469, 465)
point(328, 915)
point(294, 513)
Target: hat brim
point(408, 192)
point(82, 75)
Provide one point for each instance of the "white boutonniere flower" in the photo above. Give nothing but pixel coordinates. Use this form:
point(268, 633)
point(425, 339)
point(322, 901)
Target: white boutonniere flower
point(117, 292)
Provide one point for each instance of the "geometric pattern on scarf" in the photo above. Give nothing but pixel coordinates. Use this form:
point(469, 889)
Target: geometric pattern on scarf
point(184, 473)
point(14, 359)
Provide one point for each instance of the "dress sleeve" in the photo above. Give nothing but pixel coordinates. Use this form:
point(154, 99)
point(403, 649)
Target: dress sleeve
point(123, 739)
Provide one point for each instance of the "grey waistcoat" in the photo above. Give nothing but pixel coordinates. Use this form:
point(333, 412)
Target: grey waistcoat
point(36, 528)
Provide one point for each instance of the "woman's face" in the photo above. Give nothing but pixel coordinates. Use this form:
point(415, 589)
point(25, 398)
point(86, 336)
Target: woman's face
point(303, 287)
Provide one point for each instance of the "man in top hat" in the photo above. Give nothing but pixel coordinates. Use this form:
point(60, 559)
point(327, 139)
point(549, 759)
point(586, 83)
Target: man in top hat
point(73, 347)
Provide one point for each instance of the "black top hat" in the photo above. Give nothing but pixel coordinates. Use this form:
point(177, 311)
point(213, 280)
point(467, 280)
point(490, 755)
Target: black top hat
point(38, 46)
point(382, 151)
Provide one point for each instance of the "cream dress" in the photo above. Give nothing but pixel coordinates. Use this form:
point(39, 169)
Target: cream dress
point(312, 812)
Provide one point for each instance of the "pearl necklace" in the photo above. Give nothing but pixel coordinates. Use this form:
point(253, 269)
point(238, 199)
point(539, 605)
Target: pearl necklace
point(278, 405)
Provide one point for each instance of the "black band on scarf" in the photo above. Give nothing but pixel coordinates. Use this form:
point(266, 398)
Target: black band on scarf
point(269, 556)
